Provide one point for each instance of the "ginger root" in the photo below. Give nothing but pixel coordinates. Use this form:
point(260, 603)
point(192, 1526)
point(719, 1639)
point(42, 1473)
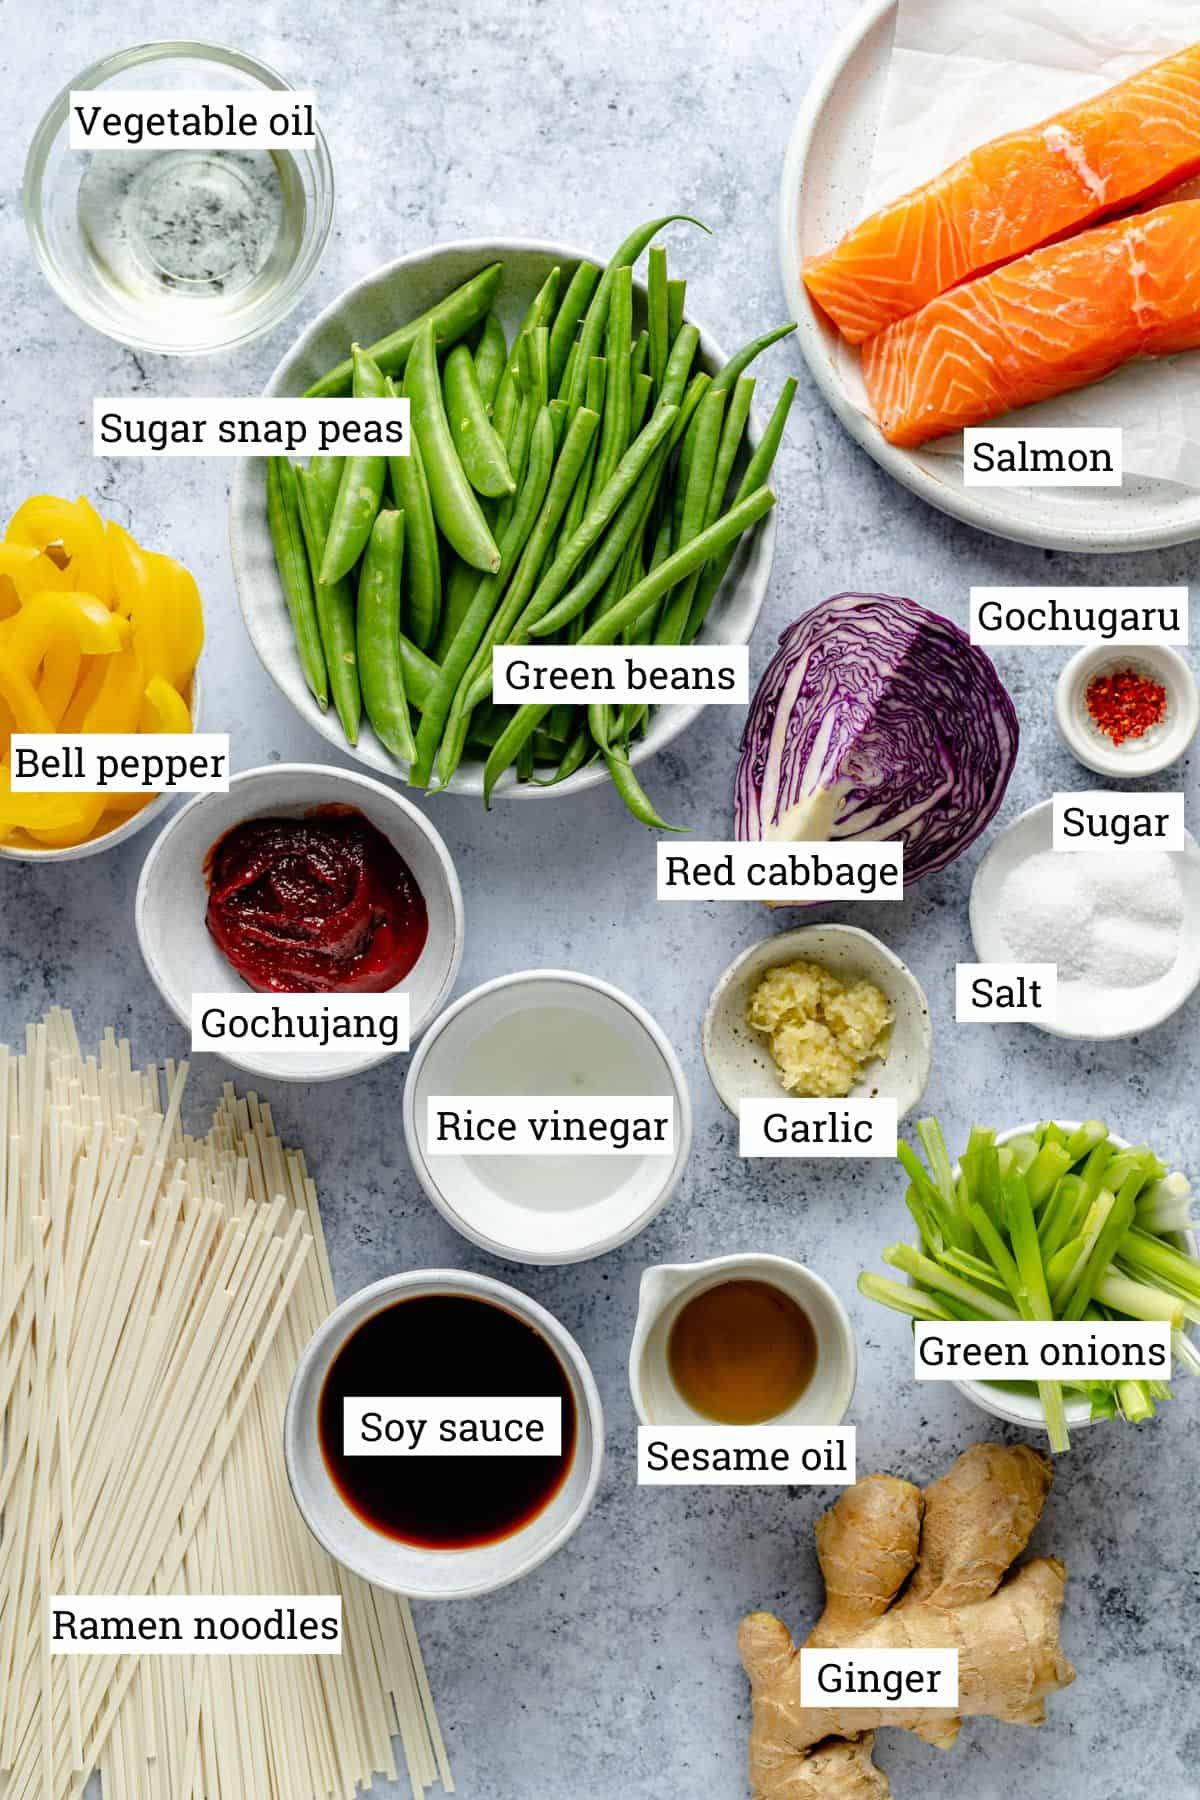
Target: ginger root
point(956, 1541)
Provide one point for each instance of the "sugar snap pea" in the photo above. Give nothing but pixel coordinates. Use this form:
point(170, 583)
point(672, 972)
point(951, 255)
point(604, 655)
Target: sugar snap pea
point(491, 354)
point(380, 668)
point(455, 507)
point(608, 629)
point(291, 560)
point(479, 448)
point(457, 594)
point(360, 489)
point(451, 319)
point(335, 607)
point(326, 472)
point(422, 556)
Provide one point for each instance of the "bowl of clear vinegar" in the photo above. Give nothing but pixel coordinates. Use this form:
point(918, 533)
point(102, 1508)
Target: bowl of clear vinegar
point(178, 248)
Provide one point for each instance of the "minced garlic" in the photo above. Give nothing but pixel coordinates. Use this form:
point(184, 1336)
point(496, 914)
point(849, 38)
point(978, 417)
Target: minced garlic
point(822, 1030)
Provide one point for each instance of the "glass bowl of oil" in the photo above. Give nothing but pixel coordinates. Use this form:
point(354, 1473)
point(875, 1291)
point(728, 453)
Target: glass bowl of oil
point(179, 251)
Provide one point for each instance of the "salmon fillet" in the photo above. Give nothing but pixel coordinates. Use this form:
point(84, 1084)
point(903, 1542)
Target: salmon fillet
point(1015, 194)
point(1054, 320)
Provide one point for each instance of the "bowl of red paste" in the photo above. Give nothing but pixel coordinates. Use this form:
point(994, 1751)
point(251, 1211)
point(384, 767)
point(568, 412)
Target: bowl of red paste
point(302, 880)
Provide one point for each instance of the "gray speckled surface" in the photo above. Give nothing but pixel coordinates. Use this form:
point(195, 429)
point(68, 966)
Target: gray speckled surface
point(611, 1670)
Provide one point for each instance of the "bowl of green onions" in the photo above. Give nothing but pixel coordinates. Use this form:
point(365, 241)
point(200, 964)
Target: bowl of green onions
point(1048, 1222)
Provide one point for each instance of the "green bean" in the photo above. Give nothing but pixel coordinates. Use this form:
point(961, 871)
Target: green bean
point(291, 560)
point(559, 413)
point(614, 427)
point(583, 487)
point(676, 294)
point(535, 366)
point(335, 607)
point(422, 557)
point(539, 311)
point(740, 402)
point(650, 589)
point(435, 711)
point(684, 346)
point(633, 794)
point(596, 317)
point(639, 356)
point(360, 489)
point(568, 374)
point(457, 594)
point(705, 438)
point(379, 666)
point(656, 300)
point(757, 470)
point(525, 760)
point(642, 389)
point(728, 375)
point(599, 514)
point(455, 507)
point(479, 448)
point(580, 289)
point(579, 750)
point(491, 354)
point(631, 519)
point(477, 684)
point(451, 319)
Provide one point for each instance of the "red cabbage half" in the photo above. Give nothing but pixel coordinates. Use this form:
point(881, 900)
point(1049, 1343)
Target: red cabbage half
point(877, 719)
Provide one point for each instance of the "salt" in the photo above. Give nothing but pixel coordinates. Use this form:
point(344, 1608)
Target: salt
point(1108, 921)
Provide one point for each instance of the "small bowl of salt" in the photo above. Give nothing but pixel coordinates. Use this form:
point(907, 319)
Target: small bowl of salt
point(1122, 926)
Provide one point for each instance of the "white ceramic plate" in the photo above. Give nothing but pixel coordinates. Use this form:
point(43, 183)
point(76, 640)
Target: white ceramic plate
point(1143, 1007)
point(172, 897)
point(824, 176)
point(739, 1059)
point(364, 313)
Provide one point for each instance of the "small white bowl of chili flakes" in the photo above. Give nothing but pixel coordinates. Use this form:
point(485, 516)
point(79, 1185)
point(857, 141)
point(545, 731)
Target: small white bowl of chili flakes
point(1127, 710)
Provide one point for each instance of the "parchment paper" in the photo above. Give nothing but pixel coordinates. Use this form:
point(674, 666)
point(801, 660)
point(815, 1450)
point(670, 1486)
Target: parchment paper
point(964, 71)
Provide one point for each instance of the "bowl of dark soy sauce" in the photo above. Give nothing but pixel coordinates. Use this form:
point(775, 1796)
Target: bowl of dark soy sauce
point(443, 1435)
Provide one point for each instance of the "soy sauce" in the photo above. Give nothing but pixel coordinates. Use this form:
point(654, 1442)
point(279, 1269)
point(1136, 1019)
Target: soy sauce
point(445, 1344)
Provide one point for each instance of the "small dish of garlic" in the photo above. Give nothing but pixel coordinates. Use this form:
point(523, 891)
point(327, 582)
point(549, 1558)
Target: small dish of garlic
point(822, 1012)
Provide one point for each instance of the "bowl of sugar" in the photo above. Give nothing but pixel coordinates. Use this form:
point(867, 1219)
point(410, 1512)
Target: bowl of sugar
point(1121, 924)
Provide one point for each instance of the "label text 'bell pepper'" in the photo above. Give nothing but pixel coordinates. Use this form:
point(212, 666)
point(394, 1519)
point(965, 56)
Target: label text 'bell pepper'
point(218, 426)
point(782, 874)
point(134, 762)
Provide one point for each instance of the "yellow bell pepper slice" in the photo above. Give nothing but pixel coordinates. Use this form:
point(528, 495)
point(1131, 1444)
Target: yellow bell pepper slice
point(164, 708)
point(20, 696)
point(60, 674)
point(180, 596)
point(58, 819)
point(118, 703)
point(24, 572)
point(97, 631)
point(76, 525)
